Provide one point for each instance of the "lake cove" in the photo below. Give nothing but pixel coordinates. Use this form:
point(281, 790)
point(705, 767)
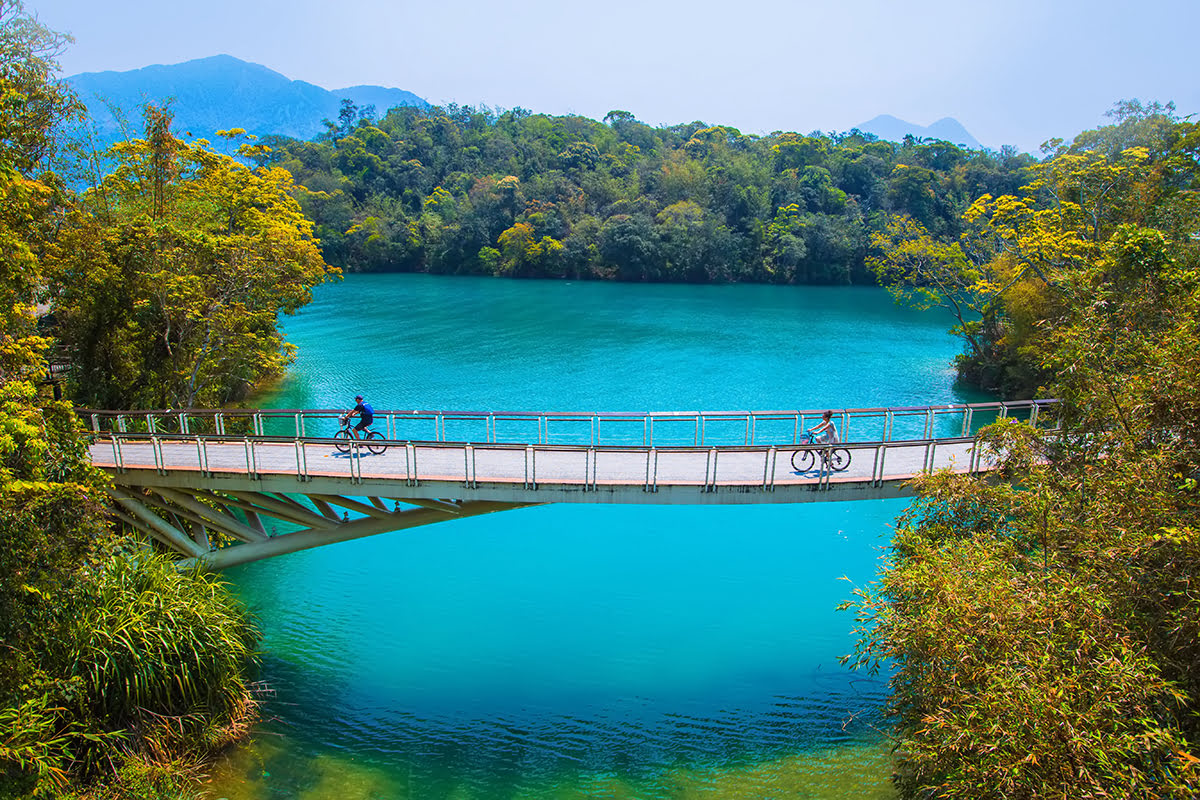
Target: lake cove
point(576, 651)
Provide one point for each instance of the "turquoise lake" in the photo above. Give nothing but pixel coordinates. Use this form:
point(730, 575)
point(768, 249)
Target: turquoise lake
point(571, 651)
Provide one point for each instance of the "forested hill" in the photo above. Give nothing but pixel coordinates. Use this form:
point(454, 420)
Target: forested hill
point(466, 190)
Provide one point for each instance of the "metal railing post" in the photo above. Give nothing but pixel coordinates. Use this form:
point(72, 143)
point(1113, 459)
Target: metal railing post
point(156, 449)
point(355, 462)
point(251, 458)
point(301, 461)
point(118, 456)
point(202, 457)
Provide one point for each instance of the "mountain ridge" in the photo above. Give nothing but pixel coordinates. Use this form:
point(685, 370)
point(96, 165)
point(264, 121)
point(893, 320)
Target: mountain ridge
point(219, 92)
point(894, 129)
point(222, 91)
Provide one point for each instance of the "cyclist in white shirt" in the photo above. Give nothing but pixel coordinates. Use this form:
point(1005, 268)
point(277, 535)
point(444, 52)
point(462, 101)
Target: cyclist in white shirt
point(825, 432)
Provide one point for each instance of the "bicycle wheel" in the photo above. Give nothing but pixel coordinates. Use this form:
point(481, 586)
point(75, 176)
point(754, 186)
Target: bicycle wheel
point(341, 440)
point(802, 460)
point(375, 442)
point(839, 459)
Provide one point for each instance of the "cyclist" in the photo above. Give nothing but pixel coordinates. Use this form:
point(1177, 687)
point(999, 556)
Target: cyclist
point(825, 432)
point(366, 415)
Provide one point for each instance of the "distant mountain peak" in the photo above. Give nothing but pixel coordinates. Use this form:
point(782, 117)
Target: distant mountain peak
point(894, 129)
point(222, 91)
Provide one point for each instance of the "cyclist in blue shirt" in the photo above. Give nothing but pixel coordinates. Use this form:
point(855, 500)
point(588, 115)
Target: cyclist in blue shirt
point(366, 415)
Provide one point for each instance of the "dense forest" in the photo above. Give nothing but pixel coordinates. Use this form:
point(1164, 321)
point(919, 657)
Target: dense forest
point(1043, 622)
point(461, 190)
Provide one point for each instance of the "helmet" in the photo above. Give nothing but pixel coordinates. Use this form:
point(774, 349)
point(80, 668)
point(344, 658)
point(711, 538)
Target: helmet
point(358, 397)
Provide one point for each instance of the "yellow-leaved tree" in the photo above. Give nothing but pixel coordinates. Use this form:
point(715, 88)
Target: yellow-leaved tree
point(171, 274)
point(1043, 621)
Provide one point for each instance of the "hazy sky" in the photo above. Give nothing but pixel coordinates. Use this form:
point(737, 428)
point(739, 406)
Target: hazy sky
point(1014, 72)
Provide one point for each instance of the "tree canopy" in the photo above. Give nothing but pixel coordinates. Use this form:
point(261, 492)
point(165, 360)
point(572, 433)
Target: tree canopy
point(436, 190)
point(116, 670)
point(169, 276)
point(1044, 621)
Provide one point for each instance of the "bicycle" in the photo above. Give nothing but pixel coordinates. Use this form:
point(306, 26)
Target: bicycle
point(344, 439)
point(833, 459)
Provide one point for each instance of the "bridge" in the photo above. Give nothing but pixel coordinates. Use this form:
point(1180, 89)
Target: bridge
point(224, 487)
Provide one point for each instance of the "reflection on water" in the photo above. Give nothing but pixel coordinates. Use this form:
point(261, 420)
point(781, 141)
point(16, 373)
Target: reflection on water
point(573, 651)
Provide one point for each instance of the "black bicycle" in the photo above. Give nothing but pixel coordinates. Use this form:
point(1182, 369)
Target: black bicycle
point(344, 439)
point(833, 459)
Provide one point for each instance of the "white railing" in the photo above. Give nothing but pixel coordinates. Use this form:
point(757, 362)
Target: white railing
point(593, 429)
point(584, 466)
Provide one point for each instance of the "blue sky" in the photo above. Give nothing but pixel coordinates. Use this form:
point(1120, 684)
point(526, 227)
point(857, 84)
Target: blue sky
point(1017, 72)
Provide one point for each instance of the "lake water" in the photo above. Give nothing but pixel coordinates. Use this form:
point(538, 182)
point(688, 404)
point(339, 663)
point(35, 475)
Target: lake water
point(572, 651)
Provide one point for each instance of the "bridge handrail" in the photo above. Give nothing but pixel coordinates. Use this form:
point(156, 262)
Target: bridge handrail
point(756, 426)
point(471, 479)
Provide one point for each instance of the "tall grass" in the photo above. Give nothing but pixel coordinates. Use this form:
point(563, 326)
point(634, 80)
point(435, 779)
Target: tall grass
point(166, 656)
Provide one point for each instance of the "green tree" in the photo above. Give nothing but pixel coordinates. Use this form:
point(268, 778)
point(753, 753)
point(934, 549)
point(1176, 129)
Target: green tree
point(32, 103)
point(70, 594)
point(924, 272)
point(1043, 620)
point(171, 275)
point(784, 247)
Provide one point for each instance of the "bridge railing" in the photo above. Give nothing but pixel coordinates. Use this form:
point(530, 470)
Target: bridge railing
point(529, 465)
point(598, 429)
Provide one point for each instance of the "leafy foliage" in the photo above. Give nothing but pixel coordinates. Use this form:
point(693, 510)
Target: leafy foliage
point(112, 665)
point(170, 275)
point(31, 102)
point(1005, 275)
point(1044, 626)
point(445, 190)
